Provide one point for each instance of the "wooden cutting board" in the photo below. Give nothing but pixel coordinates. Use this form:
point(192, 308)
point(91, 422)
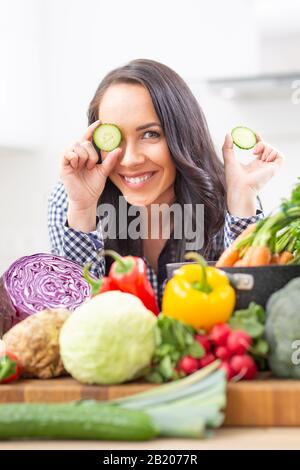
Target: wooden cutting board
point(263, 402)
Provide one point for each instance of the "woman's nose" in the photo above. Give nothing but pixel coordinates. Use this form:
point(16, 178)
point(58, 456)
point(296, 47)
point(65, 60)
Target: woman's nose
point(132, 156)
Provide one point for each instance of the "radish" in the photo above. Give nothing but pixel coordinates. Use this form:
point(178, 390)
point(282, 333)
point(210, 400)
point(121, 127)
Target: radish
point(244, 366)
point(203, 341)
point(205, 360)
point(238, 342)
point(219, 334)
point(222, 352)
point(228, 369)
point(188, 365)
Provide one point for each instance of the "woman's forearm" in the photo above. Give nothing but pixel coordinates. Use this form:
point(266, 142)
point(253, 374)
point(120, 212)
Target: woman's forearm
point(83, 220)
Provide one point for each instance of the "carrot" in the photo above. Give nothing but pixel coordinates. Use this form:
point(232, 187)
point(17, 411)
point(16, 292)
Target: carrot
point(275, 258)
point(247, 256)
point(228, 258)
point(285, 257)
point(231, 255)
point(244, 234)
point(239, 263)
point(261, 256)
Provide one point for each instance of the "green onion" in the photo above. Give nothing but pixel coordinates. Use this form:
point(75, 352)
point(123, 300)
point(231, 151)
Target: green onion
point(184, 408)
point(166, 389)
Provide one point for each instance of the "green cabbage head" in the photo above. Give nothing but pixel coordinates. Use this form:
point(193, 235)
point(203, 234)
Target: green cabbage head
point(108, 339)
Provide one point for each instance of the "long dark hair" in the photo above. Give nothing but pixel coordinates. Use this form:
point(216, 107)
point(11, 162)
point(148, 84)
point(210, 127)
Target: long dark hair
point(200, 177)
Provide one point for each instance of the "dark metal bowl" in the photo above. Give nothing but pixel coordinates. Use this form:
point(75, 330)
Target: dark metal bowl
point(267, 280)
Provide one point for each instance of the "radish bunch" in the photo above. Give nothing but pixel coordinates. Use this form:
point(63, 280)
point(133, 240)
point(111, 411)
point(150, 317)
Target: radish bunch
point(230, 346)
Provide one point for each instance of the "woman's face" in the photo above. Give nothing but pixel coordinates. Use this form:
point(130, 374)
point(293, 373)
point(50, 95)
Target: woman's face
point(145, 172)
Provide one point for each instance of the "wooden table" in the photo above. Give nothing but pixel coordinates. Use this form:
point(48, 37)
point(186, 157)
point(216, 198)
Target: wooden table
point(223, 439)
point(264, 402)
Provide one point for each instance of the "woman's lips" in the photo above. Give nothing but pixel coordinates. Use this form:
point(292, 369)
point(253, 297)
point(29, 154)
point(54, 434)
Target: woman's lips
point(139, 180)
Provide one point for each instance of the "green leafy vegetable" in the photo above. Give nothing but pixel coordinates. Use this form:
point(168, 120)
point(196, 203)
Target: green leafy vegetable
point(295, 198)
point(173, 340)
point(280, 231)
point(288, 239)
point(252, 320)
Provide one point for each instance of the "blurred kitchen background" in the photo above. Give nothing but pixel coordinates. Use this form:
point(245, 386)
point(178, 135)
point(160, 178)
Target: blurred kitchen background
point(240, 57)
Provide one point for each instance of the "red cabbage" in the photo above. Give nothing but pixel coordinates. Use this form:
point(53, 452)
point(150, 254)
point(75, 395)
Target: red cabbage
point(33, 283)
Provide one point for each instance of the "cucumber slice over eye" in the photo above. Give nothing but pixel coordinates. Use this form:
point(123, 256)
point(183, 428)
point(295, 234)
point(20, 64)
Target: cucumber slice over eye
point(243, 137)
point(107, 137)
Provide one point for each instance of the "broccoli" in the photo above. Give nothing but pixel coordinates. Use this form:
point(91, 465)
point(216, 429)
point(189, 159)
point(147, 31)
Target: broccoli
point(283, 328)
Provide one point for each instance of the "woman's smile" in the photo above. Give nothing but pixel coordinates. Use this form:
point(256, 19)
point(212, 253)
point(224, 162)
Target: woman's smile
point(137, 180)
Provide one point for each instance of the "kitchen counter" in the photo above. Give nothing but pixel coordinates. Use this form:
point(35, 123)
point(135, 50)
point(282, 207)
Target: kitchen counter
point(223, 439)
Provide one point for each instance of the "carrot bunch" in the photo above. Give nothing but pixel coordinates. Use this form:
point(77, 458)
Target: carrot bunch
point(232, 256)
point(273, 240)
point(254, 248)
point(246, 251)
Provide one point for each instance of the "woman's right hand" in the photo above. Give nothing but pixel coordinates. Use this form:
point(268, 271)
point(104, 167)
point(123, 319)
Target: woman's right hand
point(84, 179)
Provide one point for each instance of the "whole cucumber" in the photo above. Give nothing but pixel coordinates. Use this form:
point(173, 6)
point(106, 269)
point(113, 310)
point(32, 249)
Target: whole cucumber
point(80, 420)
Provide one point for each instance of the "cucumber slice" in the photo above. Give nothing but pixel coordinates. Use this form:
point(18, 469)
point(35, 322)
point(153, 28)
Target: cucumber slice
point(243, 137)
point(107, 137)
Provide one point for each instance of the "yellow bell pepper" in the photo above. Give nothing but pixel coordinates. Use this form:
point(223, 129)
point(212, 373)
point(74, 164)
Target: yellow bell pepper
point(199, 295)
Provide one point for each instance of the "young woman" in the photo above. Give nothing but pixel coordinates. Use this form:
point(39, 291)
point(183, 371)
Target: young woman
point(166, 156)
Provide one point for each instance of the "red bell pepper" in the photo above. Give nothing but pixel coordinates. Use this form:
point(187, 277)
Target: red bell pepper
point(129, 273)
point(98, 286)
point(9, 368)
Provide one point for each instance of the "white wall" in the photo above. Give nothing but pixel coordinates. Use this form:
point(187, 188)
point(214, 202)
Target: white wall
point(23, 173)
point(21, 73)
point(53, 53)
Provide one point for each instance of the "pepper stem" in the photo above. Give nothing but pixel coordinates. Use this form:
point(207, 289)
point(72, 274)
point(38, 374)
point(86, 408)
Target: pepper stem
point(7, 368)
point(202, 284)
point(95, 284)
point(123, 265)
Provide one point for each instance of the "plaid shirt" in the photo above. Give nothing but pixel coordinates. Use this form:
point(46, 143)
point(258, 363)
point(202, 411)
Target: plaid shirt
point(83, 247)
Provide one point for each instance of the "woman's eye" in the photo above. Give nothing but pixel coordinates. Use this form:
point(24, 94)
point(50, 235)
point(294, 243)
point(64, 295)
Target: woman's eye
point(152, 134)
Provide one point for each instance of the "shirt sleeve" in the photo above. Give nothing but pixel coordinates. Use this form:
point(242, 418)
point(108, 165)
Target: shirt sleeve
point(75, 245)
point(235, 225)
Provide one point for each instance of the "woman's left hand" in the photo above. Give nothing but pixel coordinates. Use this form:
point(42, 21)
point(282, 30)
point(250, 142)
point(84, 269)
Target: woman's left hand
point(244, 181)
